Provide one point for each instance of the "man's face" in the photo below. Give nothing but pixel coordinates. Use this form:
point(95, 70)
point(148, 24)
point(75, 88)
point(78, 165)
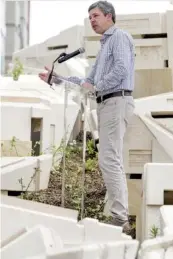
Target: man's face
point(99, 22)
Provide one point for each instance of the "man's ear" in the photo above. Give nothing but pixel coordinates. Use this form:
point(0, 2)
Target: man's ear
point(109, 16)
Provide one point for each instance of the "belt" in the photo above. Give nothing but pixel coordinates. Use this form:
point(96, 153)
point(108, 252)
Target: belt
point(102, 98)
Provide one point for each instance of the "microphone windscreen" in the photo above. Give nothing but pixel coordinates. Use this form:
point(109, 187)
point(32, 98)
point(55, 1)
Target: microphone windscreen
point(81, 50)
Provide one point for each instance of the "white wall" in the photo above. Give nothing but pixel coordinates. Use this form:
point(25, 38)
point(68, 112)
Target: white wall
point(157, 178)
point(39, 55)
point(32, 98)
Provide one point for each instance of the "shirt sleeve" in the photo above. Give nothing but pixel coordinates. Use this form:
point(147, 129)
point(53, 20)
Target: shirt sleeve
point(73, 79)
point(77, 80)
point(121, 52)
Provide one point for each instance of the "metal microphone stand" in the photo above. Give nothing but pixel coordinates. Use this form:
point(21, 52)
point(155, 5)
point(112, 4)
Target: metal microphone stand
point(65, 125)
point(66, 91)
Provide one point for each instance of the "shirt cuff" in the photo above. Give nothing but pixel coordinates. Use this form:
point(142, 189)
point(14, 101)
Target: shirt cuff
point(82, 82)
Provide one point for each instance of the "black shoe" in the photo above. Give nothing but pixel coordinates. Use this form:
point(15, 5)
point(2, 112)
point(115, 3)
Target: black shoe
point(126, 227)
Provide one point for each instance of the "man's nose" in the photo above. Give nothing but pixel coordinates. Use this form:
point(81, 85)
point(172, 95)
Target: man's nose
point(92, 19)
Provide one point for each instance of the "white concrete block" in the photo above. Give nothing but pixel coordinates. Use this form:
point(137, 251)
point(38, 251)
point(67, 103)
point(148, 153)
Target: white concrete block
point(38, 101)
point(67, 228)
point(37, 257)
point(169, 253)
point(39, 55)
point(106, 250)
point(91, 62)
point(19, 118)
point(135, 24)
point(167, 231)
point(144, 23)
point(114, 248)
point(157, 243)
point(20, 148)
point(13, 236)
point(164, 175)
point(29, 173)
point(39, 207)
point(21, 170)
point(158, 153)
point(163, 136)
point(150, 220)
point(155, 254)
point(161, 102)
point(150, 53)
point(92, 251)
point(122, 249)
point(167, 218)
point(131, 249)
point(36, 241)
point(169, 21)
point(71, 253)
point(96, 232)
point(92, 48)
point(45, 165)
point(152, 82)
point(152, 201)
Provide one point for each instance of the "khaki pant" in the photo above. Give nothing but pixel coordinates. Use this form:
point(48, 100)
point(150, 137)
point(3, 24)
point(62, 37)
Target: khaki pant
point(113, 117)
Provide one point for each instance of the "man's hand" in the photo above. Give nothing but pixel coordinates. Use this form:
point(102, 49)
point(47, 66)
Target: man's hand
point(88, 87)
point(45, 75)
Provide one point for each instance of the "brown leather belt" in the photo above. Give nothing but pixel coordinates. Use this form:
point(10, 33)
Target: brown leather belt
point(102, 98)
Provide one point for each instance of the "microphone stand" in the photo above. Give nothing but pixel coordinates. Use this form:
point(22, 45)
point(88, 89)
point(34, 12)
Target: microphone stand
point(84, 158)
point(66, 90)
point(64, 143)
point(65, 126)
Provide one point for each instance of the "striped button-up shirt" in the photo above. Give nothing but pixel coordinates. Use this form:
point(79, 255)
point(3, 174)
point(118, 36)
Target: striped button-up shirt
point(114, 66)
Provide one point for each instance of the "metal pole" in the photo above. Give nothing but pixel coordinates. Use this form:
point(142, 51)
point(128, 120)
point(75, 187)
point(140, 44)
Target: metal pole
point(84, 155)
point(64, 143)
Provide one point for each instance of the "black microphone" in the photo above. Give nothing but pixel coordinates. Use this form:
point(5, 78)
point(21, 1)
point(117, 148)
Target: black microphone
point(71, 55)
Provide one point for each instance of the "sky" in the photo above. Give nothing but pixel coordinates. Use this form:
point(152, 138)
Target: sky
point(48, 18)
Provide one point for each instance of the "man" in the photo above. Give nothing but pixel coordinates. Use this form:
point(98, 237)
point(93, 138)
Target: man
point(113, 78)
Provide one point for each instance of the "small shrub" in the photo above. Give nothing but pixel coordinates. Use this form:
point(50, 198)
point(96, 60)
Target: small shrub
point(154, 231)
point(17, 69)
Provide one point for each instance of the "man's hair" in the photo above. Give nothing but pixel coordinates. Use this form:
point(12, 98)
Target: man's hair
point(105, 7)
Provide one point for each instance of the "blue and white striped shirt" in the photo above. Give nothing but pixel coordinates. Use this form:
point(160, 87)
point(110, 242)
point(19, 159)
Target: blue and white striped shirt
point(114, 66)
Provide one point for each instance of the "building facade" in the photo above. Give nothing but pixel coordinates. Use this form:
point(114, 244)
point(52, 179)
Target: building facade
point(17, 28)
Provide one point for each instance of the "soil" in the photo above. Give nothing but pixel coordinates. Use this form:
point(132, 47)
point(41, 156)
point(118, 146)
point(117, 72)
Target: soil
point(94, 186)
point(94, 194)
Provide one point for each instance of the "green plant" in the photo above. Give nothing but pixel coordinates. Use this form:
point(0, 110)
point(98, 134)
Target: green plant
point(90, 147)
point(13, 145)
point(91, 164)
point(154, 231)
point(17, 69)
point(33, 179)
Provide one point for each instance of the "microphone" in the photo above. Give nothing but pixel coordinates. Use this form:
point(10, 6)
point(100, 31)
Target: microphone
point(71, 55)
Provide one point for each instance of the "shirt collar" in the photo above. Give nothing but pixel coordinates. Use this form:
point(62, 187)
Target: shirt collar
point(108, 32)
